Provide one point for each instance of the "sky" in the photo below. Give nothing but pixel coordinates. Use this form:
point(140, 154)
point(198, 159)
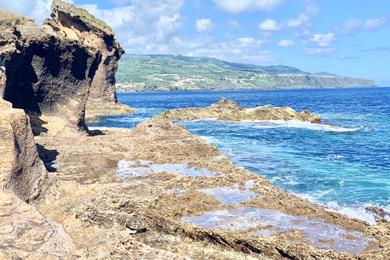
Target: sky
point(345, 37)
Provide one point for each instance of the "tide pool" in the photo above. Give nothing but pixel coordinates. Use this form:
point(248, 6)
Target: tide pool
point(345, 166)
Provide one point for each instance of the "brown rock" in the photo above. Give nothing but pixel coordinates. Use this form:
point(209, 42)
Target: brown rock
point(78, 24)
point(26, 234)
point(48, 75)
point(21, 170)
point(226, 109)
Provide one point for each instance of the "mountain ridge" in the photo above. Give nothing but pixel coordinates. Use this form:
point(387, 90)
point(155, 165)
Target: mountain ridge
point(166, 72)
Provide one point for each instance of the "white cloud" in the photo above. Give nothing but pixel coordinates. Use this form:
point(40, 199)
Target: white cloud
point(270, 25)
point(286, 43)
point(302, 20)
point(144, 26)
point(353, 25)
point(203, 25)
point(244, 49)
point(238, 6)
point(323, 40)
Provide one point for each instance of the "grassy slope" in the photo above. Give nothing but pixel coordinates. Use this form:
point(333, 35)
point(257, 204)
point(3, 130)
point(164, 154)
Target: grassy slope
point(167, 72)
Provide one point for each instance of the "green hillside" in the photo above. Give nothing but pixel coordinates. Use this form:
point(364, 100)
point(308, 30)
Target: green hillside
point(168, 72)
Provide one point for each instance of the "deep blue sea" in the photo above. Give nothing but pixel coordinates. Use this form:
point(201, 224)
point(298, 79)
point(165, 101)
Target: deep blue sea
point(345, 167)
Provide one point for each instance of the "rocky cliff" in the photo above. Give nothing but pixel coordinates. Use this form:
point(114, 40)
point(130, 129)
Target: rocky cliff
point(53, 69)
point(21, 170)
point(229, 110)
point(75, 23)
point(48, 75)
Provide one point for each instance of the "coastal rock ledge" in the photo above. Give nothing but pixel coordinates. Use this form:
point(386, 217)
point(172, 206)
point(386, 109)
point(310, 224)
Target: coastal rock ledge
point(229, 110)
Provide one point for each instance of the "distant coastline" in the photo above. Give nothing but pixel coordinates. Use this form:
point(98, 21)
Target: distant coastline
point(123, 89)
point(176, 73)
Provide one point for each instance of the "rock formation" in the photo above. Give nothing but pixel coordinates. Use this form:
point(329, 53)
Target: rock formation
point(21, 170)
point(77, 24)
point(154, 192)
point(53, 69)
point(48, 75)
point(226, 109)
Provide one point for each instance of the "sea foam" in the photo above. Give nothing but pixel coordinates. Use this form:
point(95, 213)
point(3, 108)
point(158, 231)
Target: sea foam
point(301, 124)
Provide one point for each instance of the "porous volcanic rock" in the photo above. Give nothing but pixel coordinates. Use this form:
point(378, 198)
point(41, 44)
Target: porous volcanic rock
point(78, 24)
point(48, 75)
point(26, 234)
point(21, 170)
point(139, 213)
point(229, 110)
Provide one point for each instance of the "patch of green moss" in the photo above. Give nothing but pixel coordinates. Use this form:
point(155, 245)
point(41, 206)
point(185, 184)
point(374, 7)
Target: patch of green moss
point(82, 13)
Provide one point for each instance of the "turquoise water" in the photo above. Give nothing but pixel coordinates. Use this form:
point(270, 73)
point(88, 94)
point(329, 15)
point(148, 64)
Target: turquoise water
point(345, 167)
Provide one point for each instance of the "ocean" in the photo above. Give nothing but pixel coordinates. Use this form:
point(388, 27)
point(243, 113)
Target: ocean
point(344, 166)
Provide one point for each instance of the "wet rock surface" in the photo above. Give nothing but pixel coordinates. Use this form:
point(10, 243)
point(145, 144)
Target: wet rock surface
point(229, 110)
point(142, 204)
point(153, 192)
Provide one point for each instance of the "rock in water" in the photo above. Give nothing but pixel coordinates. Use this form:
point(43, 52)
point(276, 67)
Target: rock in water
point(226, 109)
point(21, 169)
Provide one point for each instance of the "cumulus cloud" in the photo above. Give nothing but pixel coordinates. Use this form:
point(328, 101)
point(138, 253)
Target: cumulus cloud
point(238, 6)
point(322, 44)
point(302, 20)
point(143, 26)
point(353, 25)
point(286, 43)
point(323, 40)
point(203, 25)
point(270, 25)
point(244, 49)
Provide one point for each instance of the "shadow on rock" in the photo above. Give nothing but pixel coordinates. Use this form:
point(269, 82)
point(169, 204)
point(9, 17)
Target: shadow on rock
point(48, 157)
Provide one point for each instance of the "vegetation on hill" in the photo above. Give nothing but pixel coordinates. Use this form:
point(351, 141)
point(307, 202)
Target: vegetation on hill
point(168, 72)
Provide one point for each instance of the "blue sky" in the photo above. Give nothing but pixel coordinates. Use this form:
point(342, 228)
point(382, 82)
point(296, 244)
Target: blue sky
point(346, 37)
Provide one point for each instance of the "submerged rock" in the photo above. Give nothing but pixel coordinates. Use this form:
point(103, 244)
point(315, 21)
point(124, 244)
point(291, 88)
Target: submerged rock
point(226, 109)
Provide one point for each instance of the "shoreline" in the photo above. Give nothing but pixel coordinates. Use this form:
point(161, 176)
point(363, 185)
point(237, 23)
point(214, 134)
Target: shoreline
point(253, 89)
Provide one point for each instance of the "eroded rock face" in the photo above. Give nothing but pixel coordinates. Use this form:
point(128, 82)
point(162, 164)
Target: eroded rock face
point(26, 234)
point(47, 74)
point(81, 26)
point(226, 109)
point(21, 170)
